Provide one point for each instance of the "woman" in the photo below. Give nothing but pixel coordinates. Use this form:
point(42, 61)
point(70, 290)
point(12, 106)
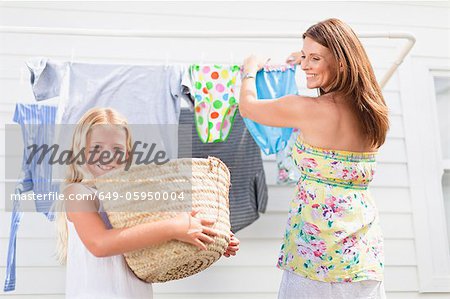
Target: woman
point(333, 246)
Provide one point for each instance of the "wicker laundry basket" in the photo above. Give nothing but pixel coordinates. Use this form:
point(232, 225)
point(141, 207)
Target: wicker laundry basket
point(205, 185)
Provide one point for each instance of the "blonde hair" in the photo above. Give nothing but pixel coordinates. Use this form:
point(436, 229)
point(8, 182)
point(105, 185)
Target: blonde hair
point(357, 79)
point(77, 173)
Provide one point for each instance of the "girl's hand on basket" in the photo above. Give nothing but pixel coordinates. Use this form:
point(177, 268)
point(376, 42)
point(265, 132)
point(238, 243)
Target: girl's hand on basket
point(195, 231)
point(233, 246)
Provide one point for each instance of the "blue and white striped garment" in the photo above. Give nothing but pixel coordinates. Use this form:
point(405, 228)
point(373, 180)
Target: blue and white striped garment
point(37, 124)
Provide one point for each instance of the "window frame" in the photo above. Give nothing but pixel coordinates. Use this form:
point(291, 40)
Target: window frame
point(446, 74)
point(425, 166)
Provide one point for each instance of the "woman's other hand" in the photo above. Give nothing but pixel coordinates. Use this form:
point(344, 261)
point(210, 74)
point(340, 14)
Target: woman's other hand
point(254, 63)
point(196, 231)
point(294, 58)
point(233, 246)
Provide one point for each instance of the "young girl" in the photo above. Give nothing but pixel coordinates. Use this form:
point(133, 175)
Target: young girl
point(86, 240)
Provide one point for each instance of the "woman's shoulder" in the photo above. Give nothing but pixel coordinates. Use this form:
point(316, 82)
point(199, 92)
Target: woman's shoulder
point(312, 111)
point(326, 101)
point(304, 105)
point(302, 98)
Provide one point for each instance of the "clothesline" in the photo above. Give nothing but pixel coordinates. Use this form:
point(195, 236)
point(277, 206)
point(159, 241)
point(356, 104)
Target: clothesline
point(410, 38)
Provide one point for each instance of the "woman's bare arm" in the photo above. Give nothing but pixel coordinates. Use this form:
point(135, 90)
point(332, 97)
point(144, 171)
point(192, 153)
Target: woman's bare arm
point(292, 111)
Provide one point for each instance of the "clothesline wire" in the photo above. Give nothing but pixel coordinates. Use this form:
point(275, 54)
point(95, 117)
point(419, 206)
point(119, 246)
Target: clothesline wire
point(410, 38)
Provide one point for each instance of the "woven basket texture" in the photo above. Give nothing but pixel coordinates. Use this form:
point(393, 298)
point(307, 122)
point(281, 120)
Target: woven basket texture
point(182, 185)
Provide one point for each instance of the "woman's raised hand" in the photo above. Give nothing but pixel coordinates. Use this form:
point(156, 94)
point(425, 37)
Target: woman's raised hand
point(294, 58)
point(254, 63)
point(193, 230)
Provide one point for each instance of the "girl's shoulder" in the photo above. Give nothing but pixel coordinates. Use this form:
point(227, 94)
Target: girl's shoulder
point(80, 197)
point(77, 188)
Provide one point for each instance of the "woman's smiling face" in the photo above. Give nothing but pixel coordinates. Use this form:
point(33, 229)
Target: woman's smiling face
point(103, 139)
point(318, 63)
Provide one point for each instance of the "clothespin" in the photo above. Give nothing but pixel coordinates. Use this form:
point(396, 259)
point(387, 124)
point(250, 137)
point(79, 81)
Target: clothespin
point(72, 55)
point(231, 58)
point(167, 59)
point(202, 57)
point(22, 75)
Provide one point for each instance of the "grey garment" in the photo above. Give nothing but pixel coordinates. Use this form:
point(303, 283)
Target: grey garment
point(46, 77)
point(294, 286)
point(144, 94)
point(248, 191)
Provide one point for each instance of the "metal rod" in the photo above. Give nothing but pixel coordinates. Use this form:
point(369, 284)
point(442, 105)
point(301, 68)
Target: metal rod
point(213, 34)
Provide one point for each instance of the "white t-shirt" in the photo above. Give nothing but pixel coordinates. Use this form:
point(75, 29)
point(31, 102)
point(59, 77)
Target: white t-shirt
point(88, 276)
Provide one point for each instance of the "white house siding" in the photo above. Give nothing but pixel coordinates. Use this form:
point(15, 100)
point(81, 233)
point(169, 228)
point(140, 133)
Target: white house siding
point(252, 273)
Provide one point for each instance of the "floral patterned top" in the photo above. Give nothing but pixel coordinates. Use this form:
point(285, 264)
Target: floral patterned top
point(333, 232)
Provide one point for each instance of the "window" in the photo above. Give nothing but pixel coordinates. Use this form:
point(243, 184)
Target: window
point(446, 191)
point(425, 104)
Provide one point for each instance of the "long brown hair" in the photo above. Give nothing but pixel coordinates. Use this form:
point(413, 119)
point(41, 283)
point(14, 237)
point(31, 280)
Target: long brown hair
point(357, 80)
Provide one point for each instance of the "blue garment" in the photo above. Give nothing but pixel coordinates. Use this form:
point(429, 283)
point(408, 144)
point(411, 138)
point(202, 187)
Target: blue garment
point(37, 124)
point(272, 84)
point(288, 172)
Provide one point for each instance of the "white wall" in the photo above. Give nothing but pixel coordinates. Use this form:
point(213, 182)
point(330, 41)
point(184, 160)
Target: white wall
point(251, 274)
